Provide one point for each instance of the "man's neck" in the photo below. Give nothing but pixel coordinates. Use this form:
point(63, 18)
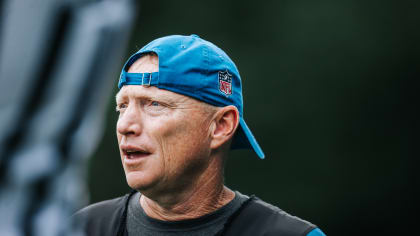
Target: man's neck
point(206, 196)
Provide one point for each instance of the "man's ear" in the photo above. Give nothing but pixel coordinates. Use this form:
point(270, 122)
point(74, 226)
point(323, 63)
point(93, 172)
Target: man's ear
point(225, 124)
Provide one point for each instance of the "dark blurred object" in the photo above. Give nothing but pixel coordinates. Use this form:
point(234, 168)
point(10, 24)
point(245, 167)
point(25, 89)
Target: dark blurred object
point(58, 63)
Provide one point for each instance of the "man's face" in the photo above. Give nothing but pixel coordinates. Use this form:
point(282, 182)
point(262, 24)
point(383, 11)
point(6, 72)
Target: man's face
point(163, 137)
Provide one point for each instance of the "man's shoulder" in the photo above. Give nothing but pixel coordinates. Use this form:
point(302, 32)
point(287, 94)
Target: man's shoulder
point(102, 218)
point(262, 218)
point(280, 222)
point(102, 208)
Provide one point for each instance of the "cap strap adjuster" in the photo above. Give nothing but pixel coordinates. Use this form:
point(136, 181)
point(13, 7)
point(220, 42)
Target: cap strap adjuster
point(146, 79)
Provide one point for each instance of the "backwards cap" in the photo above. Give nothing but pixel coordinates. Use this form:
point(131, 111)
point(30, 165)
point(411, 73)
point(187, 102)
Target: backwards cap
point(196, 68)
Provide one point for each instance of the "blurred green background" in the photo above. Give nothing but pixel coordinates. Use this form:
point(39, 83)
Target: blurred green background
point(330, 93)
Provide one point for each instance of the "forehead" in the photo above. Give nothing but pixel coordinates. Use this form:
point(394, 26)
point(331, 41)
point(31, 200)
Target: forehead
point(150, 92)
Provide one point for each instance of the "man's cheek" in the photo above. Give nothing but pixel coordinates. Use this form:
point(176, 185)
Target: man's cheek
point(171, 129)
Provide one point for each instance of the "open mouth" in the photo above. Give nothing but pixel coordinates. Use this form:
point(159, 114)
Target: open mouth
point(133, 153)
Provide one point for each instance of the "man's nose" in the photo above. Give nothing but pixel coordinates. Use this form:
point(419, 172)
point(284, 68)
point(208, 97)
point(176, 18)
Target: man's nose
point(129, 122)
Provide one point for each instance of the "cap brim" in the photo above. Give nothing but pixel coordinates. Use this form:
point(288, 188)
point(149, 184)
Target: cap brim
point(245, 139)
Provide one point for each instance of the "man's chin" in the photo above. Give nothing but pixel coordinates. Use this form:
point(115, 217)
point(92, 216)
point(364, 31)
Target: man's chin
point(138, 181)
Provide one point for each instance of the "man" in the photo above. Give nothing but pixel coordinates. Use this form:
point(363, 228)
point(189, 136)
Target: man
point(180, 105)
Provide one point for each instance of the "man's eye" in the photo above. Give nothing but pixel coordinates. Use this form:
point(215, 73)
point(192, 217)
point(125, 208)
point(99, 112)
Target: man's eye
point(121, 107)
point(154, 103)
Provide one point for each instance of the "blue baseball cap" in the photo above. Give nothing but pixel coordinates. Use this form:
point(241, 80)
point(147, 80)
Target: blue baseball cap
point(196, 68)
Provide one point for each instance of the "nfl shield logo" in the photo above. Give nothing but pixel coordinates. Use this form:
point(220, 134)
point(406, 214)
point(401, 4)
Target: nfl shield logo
point(225, 82)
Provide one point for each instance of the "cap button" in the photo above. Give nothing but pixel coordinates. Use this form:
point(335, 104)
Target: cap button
point(195, 36)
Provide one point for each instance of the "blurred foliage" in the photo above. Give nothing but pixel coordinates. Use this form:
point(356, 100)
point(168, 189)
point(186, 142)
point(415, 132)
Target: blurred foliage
point(329, 91)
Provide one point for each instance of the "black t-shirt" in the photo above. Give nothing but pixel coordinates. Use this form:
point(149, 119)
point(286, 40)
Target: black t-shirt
point(245, 216)
point(138, 223)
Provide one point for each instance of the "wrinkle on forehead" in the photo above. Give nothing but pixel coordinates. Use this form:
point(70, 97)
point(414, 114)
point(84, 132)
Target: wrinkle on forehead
point(177, 101)
point(151, 93)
